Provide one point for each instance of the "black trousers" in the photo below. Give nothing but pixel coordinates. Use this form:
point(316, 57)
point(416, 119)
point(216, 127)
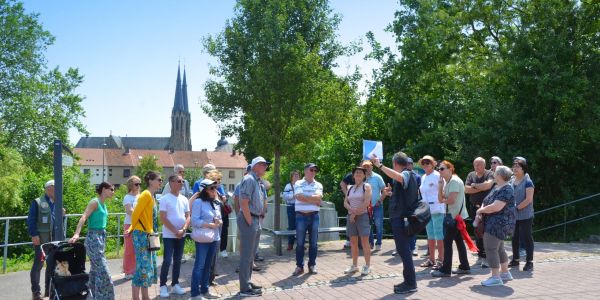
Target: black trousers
point(473, 207)
point(224, 231)
point(453, 235)
point(523, 232)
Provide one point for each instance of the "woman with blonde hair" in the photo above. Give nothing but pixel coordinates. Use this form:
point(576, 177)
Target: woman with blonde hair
point(129, 201)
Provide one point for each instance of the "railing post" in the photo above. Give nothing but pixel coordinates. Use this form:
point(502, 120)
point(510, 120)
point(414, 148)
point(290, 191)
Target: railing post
point(565, 223)
point(118, 233)
point(5, 245)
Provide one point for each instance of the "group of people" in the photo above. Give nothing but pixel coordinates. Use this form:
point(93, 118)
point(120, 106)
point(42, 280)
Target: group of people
point(500, 203)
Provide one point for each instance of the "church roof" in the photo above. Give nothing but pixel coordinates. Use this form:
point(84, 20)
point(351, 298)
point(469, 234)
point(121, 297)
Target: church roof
point(166, 159)
point(116, 142)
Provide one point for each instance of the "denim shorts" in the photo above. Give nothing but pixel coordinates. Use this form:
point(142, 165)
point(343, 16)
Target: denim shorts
point(360, 227)
point(435, 227)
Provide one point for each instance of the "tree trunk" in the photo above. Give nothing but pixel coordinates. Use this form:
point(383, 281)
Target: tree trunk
point(277, 184)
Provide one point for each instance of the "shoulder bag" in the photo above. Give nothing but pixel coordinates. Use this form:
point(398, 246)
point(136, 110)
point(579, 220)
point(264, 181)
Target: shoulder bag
point(153, 240)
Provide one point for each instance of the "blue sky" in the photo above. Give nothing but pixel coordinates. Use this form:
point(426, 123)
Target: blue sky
point(128, 52)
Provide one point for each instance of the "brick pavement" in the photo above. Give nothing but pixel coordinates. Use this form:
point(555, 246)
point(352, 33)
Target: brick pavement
point(561, 271)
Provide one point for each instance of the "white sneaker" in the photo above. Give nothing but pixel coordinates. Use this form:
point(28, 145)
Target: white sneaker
point(347, 244)
point(177, 289)
point(224, 253)
point(164, 292)
point(377, 247)
point(365, 271)
point(351, 269)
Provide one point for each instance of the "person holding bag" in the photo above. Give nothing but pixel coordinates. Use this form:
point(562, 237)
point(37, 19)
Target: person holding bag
point(206, 223)
point(497, 218)
point(144, 225)
point(452, 193)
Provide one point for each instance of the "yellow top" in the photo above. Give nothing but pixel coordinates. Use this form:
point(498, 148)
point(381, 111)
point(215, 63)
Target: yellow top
point(142, 213)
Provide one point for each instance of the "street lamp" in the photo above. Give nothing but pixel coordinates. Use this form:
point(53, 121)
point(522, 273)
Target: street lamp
point(103, 168)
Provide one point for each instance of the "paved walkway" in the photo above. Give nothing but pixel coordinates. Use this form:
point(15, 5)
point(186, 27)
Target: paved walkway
point(561, 271)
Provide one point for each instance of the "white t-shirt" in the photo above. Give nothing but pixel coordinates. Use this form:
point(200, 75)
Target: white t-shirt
point(429, 191)
point(176, 207)
point(129, 199)
point(307, 189)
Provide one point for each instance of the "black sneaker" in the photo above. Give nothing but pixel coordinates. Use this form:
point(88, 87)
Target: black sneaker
point(258, 258)
point(250, 293)
point(528, 266)
point(460, 271)
point(438, 273)
point(255, 287)
point(404, 289)
point(513, 263)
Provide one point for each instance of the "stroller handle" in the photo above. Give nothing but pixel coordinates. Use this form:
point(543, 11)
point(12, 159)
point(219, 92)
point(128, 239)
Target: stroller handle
point(56, 244)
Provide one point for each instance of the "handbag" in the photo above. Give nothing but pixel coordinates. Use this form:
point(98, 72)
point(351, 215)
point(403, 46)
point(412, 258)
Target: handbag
point(203, 235)
point(226, 209)
point(153, 240)
point(449, 221)
point(418, 220)
point(480, 228)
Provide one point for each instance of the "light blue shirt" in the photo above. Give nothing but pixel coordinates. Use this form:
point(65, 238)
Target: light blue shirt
point(203, 212)
point(377, 185)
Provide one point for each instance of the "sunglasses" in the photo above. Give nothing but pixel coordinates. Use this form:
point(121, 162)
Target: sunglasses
point(494, 163)
point(425, 162)
point(179, 181)
point(211, 188)
point(442, 168)
point(137, 184)
point(112, 189)
point(313, 170)
point(159, 180)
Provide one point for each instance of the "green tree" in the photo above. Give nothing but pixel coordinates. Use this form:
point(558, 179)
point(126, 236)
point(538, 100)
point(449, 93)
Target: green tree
point(37, 105)
point(147, 163)
point(274, 86)
point(11, 175)
point(507, 78)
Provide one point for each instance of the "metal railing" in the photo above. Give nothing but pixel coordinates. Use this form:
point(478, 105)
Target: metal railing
point(565, 221)
point(7, 220)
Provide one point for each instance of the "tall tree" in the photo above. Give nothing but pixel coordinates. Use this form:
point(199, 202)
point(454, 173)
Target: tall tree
point(37, 104)
point(274, 85)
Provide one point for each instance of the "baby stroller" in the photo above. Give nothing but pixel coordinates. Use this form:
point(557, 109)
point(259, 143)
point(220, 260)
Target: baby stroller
point(72, 286)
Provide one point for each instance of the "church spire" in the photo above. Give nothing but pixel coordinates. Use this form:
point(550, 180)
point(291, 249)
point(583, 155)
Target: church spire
point(184, 92)
point(178, 103)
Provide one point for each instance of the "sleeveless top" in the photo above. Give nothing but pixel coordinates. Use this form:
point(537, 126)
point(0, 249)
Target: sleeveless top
point(98, 218)
point(356, 197)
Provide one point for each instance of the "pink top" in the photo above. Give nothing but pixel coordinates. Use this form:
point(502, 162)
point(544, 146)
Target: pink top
point(356, 197)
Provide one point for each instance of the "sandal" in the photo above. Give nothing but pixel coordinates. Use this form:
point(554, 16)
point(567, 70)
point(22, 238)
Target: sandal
point(427, 264)
point(437, 265)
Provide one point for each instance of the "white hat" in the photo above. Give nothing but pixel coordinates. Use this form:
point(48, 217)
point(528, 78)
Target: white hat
point(49, 183)
point(257, 160)
point(206, 183)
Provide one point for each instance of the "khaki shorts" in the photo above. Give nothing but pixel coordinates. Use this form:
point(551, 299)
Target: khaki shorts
point(360, 227)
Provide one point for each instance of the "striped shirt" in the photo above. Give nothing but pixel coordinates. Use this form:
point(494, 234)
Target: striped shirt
point(303, 187)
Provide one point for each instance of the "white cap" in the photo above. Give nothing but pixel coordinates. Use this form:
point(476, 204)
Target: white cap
point(257, 160)
point(49, 183)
